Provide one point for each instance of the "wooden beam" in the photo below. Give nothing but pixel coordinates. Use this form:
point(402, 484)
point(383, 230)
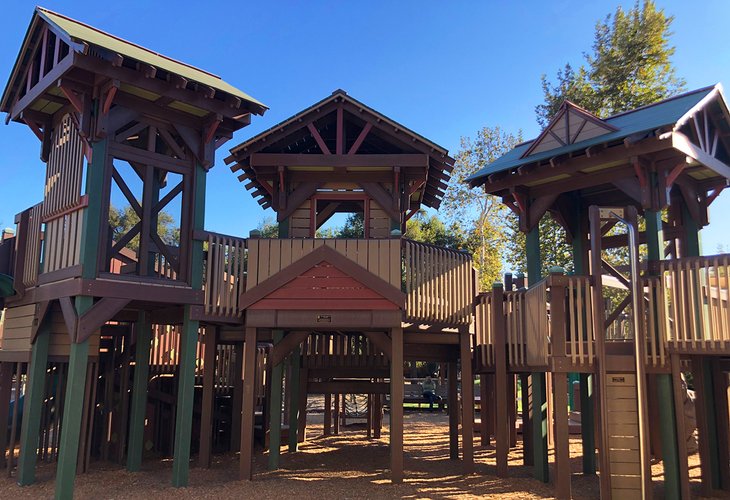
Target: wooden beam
point(409, 160)
point(101, 312)
point(348, 387)
point(360, 138)
point(290, 342)
point(382, 197)
point(318, 138)
point(682, 143)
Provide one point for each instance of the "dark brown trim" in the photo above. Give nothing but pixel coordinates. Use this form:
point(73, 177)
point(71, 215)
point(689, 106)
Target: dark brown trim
point(60, 274)
point(101, 312)
point(348, 387)
point(70, 317)
point(282, 349)
point(322, 254)
point(417, 160)
point(41, 311)
point(323, 320)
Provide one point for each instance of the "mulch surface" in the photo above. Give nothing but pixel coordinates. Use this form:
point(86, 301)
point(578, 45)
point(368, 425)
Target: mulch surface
point(345, 466)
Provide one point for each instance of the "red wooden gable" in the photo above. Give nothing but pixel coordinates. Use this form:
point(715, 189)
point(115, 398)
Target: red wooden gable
point(324, 286)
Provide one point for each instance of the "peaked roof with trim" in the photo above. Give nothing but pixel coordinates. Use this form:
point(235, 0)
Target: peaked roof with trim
point(81, 36)
point(635, 124)
point(440, 164)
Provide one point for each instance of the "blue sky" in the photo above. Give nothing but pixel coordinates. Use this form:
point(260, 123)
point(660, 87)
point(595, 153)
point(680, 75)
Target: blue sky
point(444, 69)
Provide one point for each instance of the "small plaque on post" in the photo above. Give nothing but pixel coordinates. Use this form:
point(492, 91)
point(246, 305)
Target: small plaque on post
point(324, 318)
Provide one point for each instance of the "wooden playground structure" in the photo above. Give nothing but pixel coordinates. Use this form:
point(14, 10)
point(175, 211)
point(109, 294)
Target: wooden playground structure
point(120, 344)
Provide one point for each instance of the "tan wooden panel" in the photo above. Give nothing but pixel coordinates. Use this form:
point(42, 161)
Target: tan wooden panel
point(19, 322)
point(384, 260)
point(300, 232)
point(624, 443)
point(624, 430)
point(613, 392)
point(362, 253)
point(16, 344)
point(624, 456)
point(626, 494)
point(625, 469)
point(253, 264)
point(275, 255)
point(373, 256)
point(381, 233)
point(625, 481)
point(264, 257)
point(18, 333)
point(16, 312)
point(623, 417)
point(395, 263)
point(622, 405)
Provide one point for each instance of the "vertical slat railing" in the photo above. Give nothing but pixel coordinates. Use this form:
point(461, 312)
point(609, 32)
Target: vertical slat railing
point(225, 275)
point(537, 327)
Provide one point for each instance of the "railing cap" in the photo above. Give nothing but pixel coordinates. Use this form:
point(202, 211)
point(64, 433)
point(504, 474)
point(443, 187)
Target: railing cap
point(497, 284)
point(396, 233)
point(556, 270)
point(254, 233)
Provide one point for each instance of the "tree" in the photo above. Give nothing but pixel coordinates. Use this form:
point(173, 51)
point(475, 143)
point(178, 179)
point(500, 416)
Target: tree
point(481, 216)
point(430, 229)
point(630, 66)
point(268, 227)
point(123, 220)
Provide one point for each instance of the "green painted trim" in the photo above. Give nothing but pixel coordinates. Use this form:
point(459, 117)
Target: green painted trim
point(294, 410)
point(708, 398)
point(539, 427)
point(277, 375)
point(588, 418)
point(284, 228)
point(32, 407)
point(138, 410)
point(654, 235)
point(668, 432)
point(185, 400)
point(90, 244)
point(532, 253)
point(74, 408)
point(692, 240)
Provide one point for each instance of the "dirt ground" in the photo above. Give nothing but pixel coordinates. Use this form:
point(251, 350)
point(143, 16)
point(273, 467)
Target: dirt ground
point(344, 466)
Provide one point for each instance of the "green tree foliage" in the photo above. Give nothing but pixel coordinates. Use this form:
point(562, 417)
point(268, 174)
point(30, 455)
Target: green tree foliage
point(481, 216)
point(554, 251)
point(430, 229)
point(629, 66)
point(121, 220)
point(268, 227)
point(354, 227)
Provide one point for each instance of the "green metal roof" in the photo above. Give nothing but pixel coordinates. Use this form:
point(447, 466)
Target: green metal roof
point(635, 122)
point(83, 33)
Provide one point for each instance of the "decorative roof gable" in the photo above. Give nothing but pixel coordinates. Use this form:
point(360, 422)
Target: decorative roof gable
point(571, 124)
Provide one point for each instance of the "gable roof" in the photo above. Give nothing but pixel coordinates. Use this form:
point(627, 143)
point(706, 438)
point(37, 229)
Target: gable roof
point(637, 123)
point(440, 163)
point(570, 124)
point(81, 36)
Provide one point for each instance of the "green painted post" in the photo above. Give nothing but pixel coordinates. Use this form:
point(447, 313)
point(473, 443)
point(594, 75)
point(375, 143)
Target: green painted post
point(34, 391)
point(293, 388)
point(693, 248)
point(587, 409)
point(73, 410)
point(185, 397)
point(188, 344)
point(665, 393)
point(138, 411)
point(539, 387)
point(277, 376)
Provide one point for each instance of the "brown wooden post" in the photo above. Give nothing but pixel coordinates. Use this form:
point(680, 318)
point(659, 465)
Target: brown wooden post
point(681, 432)
point(249, 404)
point(723, 422)
point(467, 401)
point(327, 414)
point(303, 383)
point(698, 376)
point(527, 457)
point(453, 409)
point(236, 404)
point(6, 383)
point(206, 416)
point(484, 429)
point(561, 437)
point(501, 431)
point(512, 410)
point(396, 405)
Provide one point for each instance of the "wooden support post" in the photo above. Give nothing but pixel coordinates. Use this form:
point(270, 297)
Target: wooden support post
point(378, 414)
point(277, 375)
point(665, 397)
point(135, 447)
point(327, 414)
point(453, 409)
point(294, 399)
point(73, 410)
point(467, 402)
point(396, 406)
point(527, 453)
point(249, 405)
point(369, 413)
point(185, 397)
point(499, 329)
point(562, 437)
point(208, 400)
point(303, 383)
point(6, 382)
point(681, 433)
point(706, 424)
point(484, 430)
point(336, 415)
point(539, 395)
point(723, 423)
point(587, 423)
point(236, 404)
point(512, 388)
point(32, 407)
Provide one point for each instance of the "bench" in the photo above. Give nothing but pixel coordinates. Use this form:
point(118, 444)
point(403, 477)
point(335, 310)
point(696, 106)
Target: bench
point(413, 393)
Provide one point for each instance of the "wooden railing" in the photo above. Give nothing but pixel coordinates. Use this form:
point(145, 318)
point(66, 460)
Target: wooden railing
point(225, 274)
point(331, 350)
point(580, 335)
point(29, 245)
point(62, 239)
point(696, 293)
point(537, 326)
point(484, 333)
point(439, 284)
